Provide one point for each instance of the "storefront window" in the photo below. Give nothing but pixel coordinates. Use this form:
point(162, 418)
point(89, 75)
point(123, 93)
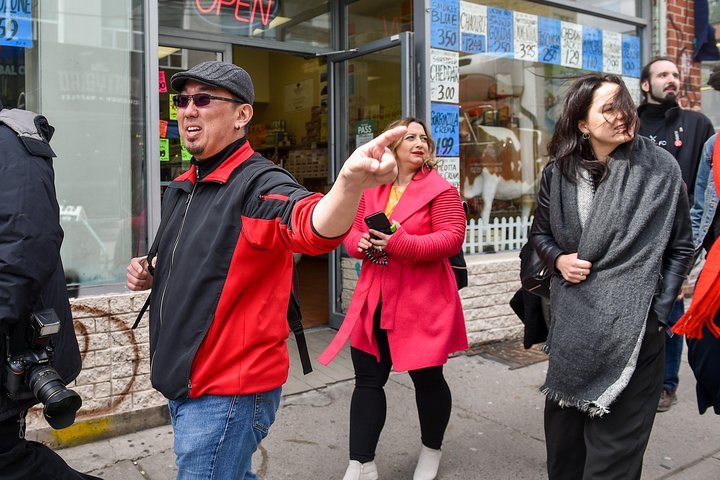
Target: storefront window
point(506, 99)
point(632, 8)
point(300, 21)
point(370, 20)
point(84, 70)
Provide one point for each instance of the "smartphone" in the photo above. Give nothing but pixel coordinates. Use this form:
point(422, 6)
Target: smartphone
point(378, 221)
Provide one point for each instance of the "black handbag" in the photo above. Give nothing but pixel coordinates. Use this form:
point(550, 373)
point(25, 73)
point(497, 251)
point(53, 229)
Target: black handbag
point(457, 261)
point(534, 274)
point(459, 268)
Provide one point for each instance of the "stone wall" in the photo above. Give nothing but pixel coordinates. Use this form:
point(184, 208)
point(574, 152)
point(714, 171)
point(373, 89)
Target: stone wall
point(115, 376)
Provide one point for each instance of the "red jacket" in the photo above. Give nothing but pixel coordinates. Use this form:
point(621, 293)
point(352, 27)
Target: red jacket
point(421, 308)
point(218, 310)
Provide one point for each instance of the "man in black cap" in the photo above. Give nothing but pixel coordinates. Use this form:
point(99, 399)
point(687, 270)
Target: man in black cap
point(31, 281)
point(222, 274)
point(682, 133)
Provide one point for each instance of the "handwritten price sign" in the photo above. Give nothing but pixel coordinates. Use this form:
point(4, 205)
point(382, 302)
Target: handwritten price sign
point(444, 76)
point(445, 127)
point(16, 23)
point(526, 36)
point(473, 27)
point(571, 44)
point(444, 30)
point(500, 32)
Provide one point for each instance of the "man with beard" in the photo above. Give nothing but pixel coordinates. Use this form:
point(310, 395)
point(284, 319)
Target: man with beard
point(682, 133)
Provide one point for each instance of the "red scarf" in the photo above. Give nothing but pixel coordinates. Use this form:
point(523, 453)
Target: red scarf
point(706, 299)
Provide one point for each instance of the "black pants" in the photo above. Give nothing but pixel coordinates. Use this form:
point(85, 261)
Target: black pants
point(612, 446)
point(368, 405)
point(24, 460)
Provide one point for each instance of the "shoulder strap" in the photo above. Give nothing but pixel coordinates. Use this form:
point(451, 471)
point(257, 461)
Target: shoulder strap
point(164, 218)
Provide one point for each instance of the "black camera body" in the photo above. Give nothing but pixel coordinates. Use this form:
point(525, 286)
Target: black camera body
point(30, 374)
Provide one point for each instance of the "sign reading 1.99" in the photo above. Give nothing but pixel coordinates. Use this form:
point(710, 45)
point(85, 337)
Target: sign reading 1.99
point(16, 23)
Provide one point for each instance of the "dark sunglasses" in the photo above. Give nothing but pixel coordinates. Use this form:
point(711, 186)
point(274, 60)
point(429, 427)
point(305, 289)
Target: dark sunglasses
point(199, 99)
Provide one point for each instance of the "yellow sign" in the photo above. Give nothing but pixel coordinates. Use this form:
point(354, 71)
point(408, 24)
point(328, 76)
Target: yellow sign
point(164, 150)
point(173, 108)
point(186, 156)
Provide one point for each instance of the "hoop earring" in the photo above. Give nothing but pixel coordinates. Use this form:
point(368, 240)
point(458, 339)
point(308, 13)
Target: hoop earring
point(586, 136)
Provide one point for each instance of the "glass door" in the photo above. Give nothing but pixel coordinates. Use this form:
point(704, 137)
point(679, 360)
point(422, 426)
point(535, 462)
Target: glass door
point(176, 55)
point(372, 85)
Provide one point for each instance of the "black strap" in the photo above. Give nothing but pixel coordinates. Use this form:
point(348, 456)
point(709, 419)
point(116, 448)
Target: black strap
point(164, 218)
point(294, 317)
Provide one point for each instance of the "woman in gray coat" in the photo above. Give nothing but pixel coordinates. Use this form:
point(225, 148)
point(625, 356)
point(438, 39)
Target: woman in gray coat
point(613, 225)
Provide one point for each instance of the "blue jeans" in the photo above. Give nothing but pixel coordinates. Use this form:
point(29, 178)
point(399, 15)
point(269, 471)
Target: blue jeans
point(673, 349)
point(216, 436)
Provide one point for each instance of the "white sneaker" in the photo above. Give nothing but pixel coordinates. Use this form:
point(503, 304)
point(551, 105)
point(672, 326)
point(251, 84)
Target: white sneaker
point(361, 471)
point(428, 463)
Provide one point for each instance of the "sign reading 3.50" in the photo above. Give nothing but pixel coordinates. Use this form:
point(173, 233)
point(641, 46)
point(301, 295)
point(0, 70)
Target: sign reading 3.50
point(16, 23)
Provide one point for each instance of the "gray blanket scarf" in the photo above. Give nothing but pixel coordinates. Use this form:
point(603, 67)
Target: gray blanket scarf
point(598, 325)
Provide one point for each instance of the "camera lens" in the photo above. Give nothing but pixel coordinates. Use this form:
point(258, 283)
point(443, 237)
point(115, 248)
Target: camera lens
point(60, 403)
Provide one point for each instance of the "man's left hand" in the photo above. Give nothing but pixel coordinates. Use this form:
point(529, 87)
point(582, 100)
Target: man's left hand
point(373, 163)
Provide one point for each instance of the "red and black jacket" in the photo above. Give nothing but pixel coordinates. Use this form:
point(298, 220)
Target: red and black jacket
point(223, 276)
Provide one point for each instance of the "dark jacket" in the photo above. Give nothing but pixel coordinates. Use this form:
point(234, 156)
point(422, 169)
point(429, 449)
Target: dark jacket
point(31, 273)
point(692, 129)
point(222, 281)
point(675, 259)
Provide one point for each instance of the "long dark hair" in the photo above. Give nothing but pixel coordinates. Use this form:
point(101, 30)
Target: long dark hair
point(567, 147)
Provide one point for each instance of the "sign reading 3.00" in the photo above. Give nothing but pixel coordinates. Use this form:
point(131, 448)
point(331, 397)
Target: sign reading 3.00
point(16, 23)
point(444, 76)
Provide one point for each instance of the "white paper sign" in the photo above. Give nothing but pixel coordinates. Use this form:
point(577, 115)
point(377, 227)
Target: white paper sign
point(473, 28)
point(612, 52)
point(449, 168)
point(633, 86)
point(444, 76)
point(525, 36)
point(571, 44)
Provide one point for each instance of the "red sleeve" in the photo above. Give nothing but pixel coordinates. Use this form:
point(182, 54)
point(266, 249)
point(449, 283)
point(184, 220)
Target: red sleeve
point(356, 232)
point(303, 238)
point(448, 224)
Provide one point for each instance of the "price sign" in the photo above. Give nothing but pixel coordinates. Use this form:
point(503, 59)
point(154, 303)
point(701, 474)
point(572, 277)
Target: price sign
point(444, 76)
point(633, 86)
point(185, 155)
point(473, 27)
point(631, 55)
point(571, 45)
point(172, 108)
point(592, 49)
point(16, 23)
point(444, 30)
point(164, 150)
point(163, 128)
point(612, 52)
point(549, 40)
point(500, 32)
point(445, 128)
point(525, 35)
point(449, 168)
point(161, 81)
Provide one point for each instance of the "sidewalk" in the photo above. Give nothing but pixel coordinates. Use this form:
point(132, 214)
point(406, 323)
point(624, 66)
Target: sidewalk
point(495, 432)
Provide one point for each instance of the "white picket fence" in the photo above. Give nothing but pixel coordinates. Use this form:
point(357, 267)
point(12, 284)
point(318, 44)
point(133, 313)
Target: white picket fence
point(509, 233)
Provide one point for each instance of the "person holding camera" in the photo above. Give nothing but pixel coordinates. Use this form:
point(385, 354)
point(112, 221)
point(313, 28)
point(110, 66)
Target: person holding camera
point(38, 348)
point(406, 312)
point(222, 279)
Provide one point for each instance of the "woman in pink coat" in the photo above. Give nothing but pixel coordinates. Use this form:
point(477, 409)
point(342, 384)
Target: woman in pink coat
point(406, 311)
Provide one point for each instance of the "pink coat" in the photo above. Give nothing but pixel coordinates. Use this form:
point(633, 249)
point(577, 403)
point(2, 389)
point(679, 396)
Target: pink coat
point(421, 308)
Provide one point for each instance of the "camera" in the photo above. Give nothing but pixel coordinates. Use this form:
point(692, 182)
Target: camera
point(29, 374)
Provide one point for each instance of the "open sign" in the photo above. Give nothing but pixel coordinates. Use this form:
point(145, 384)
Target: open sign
point(246, 12)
